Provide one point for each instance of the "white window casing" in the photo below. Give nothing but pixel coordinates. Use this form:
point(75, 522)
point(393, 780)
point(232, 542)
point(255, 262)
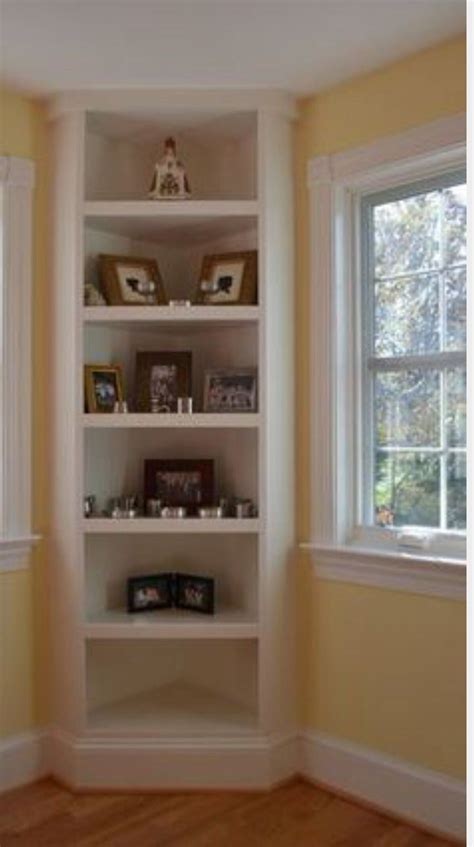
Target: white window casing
point(343, 547)
point(16, 197)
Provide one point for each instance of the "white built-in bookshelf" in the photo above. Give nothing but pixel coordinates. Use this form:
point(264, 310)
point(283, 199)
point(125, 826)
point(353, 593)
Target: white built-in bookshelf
point(145, 691)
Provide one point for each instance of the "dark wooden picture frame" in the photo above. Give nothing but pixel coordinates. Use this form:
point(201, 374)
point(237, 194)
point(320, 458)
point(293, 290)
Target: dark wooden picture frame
point(146, 593)
point(216, 264)
point(165, 480)
point(195, 593)
point(166, 390)
point(112, 374)
point(112, 268)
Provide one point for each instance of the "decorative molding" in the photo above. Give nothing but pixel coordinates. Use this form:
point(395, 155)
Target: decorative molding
point(17, 172)
point(23, 759)
point(335, 183)
point(15, 552)
point(421, 796)
point(154, 99)
point(441, 138)
point(204, 763)
point(16, 180)
point(434, 577)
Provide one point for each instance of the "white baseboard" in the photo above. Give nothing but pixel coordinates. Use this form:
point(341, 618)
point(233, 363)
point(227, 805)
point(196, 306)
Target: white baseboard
point(121, 763)
point(23, 759)
point(431, 799)
point(419, 795)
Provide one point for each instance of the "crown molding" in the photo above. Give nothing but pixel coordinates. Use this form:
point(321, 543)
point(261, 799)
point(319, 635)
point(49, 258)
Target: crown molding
point(439, 139)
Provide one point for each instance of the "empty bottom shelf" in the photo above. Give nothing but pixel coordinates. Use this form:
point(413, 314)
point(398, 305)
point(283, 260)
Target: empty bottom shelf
point(174, 710)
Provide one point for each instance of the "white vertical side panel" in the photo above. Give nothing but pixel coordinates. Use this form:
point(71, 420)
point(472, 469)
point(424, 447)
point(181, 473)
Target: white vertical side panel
point(66, 554)
point(277, 482)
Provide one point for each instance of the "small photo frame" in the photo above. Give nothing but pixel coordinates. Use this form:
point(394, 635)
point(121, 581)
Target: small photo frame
point(145, 593)
point(228, 279)
point(230, 390)
point(180, 482)
point(195, 593)
point(162, 377)
point(131, 281)
point(103, 387)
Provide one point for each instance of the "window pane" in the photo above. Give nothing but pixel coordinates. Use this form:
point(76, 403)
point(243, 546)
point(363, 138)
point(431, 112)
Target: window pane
point(457, 491)
point(407, 235)
point(456, 407)
point(455, 282)
point(407, 489)
point(407, 409)
point(455, 224)
point(407, 316)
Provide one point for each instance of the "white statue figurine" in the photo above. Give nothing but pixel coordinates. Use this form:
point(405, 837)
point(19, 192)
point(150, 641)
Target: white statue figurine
point(169, 179)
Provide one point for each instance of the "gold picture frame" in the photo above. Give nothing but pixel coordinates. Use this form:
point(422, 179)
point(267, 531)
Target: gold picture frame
point(121, 277)
point(103, 388)
point(234, 277)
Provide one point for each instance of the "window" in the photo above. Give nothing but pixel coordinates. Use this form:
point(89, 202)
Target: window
point(388, 361)
point(413, 277)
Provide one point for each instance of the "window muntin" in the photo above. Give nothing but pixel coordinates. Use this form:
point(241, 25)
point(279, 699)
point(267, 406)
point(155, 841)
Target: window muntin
point(414, 342)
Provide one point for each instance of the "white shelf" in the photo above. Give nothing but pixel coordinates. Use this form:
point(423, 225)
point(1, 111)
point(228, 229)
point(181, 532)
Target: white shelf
point(192, 220)
point(174, 317)
point(171, 623)
point(171, 421)
point(174, 710)
point(179, 526)
point(182, 209)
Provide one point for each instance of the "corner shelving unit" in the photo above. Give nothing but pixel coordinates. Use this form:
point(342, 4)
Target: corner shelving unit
point(223, 683)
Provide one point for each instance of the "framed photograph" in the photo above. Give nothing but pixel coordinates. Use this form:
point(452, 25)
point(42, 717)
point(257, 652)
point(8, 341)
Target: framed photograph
point(231, 390)
point(228, 279)
point(180, 482)
point(103, 387)
point(130, 281)
point(195, 593)
point(145, 593)
point(163, 377)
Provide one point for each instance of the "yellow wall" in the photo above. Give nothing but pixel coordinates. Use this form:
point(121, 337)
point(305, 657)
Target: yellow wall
point(379, 668)
point(23, 661)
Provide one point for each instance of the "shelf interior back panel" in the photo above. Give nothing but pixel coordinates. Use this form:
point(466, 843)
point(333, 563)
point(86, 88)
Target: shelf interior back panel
point(114, 459)
point(218, 150)
point(111, 560)
point(136, 671)
point(212, 348)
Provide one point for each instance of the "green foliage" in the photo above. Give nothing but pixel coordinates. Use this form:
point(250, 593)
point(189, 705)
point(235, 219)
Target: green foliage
point(420, 308)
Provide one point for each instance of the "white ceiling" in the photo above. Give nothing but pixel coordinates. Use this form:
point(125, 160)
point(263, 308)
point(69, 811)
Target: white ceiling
point(297, 45)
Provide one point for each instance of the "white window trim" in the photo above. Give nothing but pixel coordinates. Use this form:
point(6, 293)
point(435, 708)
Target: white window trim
point(341, 547)
point(16, 538)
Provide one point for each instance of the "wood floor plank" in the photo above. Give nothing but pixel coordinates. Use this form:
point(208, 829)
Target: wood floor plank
point(295, 815)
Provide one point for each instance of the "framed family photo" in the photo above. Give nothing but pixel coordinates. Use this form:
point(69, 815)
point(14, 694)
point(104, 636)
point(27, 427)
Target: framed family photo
point(228, 279)
point(195, 593)
point(180, 482)
point(231, 390)
point(103, 387)
point(162, 377)
point(145, 593)
point(131, 281)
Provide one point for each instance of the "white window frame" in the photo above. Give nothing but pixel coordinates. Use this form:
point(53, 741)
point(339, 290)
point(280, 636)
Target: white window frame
point(16, 187)
point(343, 547)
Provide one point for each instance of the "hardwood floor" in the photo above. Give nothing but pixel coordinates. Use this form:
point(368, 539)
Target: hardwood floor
point(296, 815)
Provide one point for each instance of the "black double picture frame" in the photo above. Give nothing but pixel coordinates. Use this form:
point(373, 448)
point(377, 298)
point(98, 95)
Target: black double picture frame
point(168, 590)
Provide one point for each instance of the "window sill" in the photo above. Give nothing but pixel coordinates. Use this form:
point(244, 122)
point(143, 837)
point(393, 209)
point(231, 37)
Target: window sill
point(433, 576)
point(15, 552)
